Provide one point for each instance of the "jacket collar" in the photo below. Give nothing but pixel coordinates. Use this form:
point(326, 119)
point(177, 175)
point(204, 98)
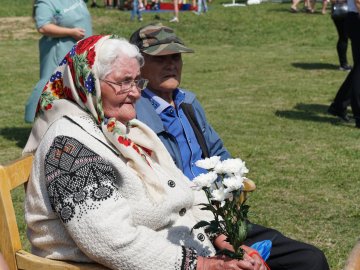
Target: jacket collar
point(146, 113)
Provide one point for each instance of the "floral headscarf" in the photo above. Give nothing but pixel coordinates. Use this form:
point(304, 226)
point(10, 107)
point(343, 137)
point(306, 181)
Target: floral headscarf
point(74, 90)
point(74, 80)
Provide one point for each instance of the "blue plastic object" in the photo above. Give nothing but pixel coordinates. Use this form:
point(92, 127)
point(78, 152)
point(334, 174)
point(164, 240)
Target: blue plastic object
point(264, 248)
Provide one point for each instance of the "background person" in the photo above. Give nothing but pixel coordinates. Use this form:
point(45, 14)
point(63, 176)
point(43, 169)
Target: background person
point(349, 91)
point(61, 24)
point(342, 43)
point(103, 187)
point(93, 4)
point(137, 8)
point(295, 3)
point(311, 8)
point(176, 11)
point(178, 119)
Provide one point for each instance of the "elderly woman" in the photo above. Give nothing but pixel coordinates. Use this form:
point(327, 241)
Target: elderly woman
point(103, 187)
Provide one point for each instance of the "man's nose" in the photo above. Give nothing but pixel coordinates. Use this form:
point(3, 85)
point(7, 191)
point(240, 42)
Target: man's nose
point(169, 60)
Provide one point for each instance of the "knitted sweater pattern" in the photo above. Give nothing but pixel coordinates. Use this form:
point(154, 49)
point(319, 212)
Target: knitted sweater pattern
point(84, 204)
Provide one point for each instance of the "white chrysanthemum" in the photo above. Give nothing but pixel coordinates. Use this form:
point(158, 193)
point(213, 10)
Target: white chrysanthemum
point(232, 166)
point(233, 183)
point(208, 163)
point(218, 195)
point(205, 179)
point(216, 185)
point(221, 195)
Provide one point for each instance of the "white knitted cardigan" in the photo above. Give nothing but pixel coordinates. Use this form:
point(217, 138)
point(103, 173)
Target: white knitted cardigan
point(84, 204)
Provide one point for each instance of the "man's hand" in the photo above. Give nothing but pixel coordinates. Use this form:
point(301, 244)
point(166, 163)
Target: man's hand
point(251, 253)
point(224, 263)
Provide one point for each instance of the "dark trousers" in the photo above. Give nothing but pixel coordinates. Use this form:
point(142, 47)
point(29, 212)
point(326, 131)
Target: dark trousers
point(352, 24)
point(287, 254)
point(349, 92)
point(342, 43)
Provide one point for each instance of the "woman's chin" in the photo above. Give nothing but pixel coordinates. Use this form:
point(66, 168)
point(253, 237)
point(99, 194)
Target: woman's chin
point(125, 117)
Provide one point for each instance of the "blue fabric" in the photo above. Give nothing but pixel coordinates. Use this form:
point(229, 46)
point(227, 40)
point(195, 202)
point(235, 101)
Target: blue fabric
point(264, 248)
point(147, 114)
point(65, 13)
point(176, 124)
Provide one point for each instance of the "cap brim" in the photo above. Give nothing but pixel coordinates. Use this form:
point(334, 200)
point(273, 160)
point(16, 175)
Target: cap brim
point(165, 49)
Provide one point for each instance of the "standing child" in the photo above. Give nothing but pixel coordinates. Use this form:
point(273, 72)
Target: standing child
point(137, 8)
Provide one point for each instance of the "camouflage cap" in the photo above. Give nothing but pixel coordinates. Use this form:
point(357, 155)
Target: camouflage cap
point(157, 39)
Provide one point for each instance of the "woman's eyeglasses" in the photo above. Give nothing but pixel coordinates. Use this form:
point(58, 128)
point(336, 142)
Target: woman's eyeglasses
point(126, 86)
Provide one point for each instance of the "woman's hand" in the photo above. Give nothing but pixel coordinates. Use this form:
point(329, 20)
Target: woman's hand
point(250, 253)
point(225, 263)
point(78, 33)
point(53, 30)
point(221, 243)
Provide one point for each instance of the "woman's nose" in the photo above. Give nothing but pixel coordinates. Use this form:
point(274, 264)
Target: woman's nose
point(135, 91)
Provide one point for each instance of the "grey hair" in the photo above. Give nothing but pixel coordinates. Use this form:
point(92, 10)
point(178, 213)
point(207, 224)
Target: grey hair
point(113, 49)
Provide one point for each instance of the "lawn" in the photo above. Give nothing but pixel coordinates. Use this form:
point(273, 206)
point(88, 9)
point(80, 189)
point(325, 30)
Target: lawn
point(265, 77)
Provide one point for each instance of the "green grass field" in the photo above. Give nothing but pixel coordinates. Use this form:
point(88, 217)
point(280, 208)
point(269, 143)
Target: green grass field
point(265, 77)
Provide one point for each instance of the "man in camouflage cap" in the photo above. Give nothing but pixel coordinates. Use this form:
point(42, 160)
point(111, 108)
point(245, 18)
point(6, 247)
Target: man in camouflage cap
point(178, 119)
point(156, 39)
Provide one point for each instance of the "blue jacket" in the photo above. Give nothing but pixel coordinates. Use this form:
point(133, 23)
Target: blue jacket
point(146, 113)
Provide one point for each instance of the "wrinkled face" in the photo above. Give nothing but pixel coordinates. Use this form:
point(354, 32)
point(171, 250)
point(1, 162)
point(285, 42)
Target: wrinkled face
point(117, 103)
point(163, 72)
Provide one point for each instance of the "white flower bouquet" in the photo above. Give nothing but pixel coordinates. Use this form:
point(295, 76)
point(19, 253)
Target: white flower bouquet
point(224, 188)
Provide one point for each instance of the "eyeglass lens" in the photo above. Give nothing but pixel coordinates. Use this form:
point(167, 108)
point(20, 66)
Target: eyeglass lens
point(140, 84)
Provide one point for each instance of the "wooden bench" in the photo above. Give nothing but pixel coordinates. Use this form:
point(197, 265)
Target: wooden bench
point(12, 176)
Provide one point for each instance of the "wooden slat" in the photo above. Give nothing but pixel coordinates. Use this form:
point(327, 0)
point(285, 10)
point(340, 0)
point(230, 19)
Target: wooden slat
point(9, 233)
point(27, 260)
point(19, 171)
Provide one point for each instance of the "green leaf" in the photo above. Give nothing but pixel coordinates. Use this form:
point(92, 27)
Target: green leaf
point(200, 224)
point(242, 230)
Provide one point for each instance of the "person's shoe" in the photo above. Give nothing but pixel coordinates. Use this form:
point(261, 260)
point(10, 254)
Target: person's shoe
point(345, 67)
point(342, 115)
point(94, 5)
point(175, 19)
point(140, 19)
